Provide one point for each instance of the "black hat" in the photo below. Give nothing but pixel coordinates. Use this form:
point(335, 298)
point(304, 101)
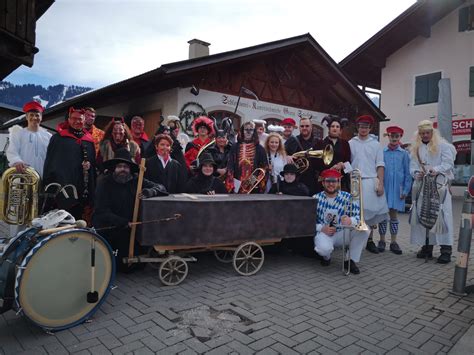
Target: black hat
point(289, 168)
point(122, 155)
point(221, 133)
point(161, 129)
point(206, 158)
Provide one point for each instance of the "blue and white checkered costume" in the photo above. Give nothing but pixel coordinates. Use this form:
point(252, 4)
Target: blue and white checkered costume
point(344, 205)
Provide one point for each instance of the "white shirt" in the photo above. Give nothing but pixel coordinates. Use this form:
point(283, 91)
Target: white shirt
point(164, 162)
point(442, 161)
point(366, 155)
point(28, 147)
point(278, 163)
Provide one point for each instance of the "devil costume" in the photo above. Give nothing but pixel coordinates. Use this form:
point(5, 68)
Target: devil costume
point(67, 150)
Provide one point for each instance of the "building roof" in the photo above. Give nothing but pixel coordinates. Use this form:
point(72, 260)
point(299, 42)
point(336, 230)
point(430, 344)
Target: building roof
point(364, 65)
point(309, 54)
point(10, 108)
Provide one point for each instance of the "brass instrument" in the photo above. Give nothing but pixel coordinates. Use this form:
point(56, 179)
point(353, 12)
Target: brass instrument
point(195, 163)
point(252, 181)
point(301, 158)
point(19, 196)
point(356, 192)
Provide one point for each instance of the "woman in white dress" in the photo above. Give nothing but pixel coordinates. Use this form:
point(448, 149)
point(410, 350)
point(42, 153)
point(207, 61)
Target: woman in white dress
point(277, 158)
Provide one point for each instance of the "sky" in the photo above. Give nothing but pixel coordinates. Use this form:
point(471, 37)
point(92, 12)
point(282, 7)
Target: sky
point(95, 43)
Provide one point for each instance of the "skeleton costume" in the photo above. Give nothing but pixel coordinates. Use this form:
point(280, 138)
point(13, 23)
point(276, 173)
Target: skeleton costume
point(436, 155)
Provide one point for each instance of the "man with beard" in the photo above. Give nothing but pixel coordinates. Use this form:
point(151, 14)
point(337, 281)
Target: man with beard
point(115, 200)
point(304, 141)
point(245, 156)
point(70, 160)
point(137, 125)
point(163, 169)
point(96, 133)
point(341, 148)
point(336, 208)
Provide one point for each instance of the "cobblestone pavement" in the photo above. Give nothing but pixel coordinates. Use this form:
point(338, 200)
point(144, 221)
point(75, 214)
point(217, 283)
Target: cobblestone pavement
point(397, 305)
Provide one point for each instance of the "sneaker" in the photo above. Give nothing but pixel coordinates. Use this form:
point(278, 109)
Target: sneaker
point(381, 246)
point(395, 248)
point(354, 269)
point(371, 247)
point(444, 258)
point(325, 262)
point(423, 252)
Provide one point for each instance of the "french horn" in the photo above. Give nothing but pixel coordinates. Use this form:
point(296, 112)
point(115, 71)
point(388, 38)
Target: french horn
point(300, 159)
point(19, 196)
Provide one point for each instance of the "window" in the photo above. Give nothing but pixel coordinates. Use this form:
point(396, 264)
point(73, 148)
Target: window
point(426, 88)
point(471, 81)
point(466, 18)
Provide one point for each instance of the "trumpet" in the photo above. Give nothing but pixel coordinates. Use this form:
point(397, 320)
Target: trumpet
point(356, 192)
point(301, 158)
point(252, 181)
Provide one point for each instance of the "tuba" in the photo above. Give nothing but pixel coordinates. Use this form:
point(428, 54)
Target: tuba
point(252, 181)
point(301, 158)
point(19, 196)
point(356, 192)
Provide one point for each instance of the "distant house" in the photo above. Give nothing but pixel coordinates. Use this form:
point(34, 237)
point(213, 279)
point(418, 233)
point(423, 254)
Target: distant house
point(18, 32)
point(432, 39)
point(292, 77)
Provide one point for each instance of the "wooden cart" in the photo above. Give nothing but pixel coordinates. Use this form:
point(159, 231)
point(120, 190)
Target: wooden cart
point(234, 227)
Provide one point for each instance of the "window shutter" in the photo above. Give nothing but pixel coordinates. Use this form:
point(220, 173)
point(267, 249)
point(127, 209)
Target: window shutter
point(421, 89)
point(433, 88)
point(464, 19)
point(471, 81)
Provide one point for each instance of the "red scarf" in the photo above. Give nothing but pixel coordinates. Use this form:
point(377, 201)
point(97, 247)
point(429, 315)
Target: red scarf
point(63, 130)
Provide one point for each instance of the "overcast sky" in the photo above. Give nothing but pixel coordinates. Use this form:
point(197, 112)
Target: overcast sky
point(98, 42)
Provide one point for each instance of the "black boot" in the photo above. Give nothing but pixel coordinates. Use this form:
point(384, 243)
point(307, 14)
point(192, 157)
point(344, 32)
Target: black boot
point(425, 251)
point(445, 256)
point(354, 268)
point(371, 247)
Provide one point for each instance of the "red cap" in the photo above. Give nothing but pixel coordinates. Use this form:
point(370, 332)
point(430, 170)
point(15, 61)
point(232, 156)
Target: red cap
point(394, 129)
point(330, 173)
point(33, 106)
point(288, 121)
point(365, 119)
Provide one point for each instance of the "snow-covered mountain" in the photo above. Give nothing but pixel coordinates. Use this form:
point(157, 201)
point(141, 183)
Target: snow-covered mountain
point(17, 95)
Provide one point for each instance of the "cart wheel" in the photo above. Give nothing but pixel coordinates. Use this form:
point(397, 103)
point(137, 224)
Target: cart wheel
point(224, 256)
point(173, 271)
point(248, 258)
point(152, 253)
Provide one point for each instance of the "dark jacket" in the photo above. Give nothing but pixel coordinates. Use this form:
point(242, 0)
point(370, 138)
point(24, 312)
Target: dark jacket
point(202, 184)
point(342, 153)
point(310, 176)
point(295, 188)
point(173, 177)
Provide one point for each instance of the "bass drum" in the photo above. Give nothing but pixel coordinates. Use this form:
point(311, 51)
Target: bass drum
point(55, 277)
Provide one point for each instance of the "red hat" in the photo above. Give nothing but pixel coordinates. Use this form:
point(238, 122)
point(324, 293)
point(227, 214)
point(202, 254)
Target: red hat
point(330, 173)
point(365, 119)
point(394, 129)
point(288, 121)
point(33, 106)
point(72, 109)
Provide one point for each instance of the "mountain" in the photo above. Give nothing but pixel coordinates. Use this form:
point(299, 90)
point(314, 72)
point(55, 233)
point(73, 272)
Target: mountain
point(17, 95)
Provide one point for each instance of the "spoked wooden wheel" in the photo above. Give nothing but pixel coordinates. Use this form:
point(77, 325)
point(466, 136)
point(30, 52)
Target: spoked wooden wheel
point(224, 256)
point(173, 271)
point(248, 258)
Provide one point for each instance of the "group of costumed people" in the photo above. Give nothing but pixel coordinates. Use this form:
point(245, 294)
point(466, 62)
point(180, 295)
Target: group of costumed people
point(101, 166)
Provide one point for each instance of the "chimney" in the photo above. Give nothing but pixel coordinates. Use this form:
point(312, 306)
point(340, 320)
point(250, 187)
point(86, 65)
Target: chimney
point(198, 48)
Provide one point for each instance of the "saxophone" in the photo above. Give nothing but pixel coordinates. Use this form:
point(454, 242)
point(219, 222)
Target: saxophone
point(19, 196)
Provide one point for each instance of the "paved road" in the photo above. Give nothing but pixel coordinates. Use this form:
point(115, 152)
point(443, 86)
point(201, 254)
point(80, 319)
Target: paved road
point(396, 305)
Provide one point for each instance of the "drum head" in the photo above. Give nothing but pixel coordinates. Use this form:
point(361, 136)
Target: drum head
point(55, 277)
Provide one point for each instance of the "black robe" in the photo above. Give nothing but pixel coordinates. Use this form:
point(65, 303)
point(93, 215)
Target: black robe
point(311, 175)
point(342, 153)
point(295, 188)
point(176, 152)
point(63, 165)
point(201, 184)
point(221, 158)
point(114, 205)
point(173, 177)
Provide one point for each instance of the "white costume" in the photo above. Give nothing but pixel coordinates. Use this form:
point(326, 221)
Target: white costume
point(278, 162)
point(443, 162)
point(367, 156)
point(28, 147)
